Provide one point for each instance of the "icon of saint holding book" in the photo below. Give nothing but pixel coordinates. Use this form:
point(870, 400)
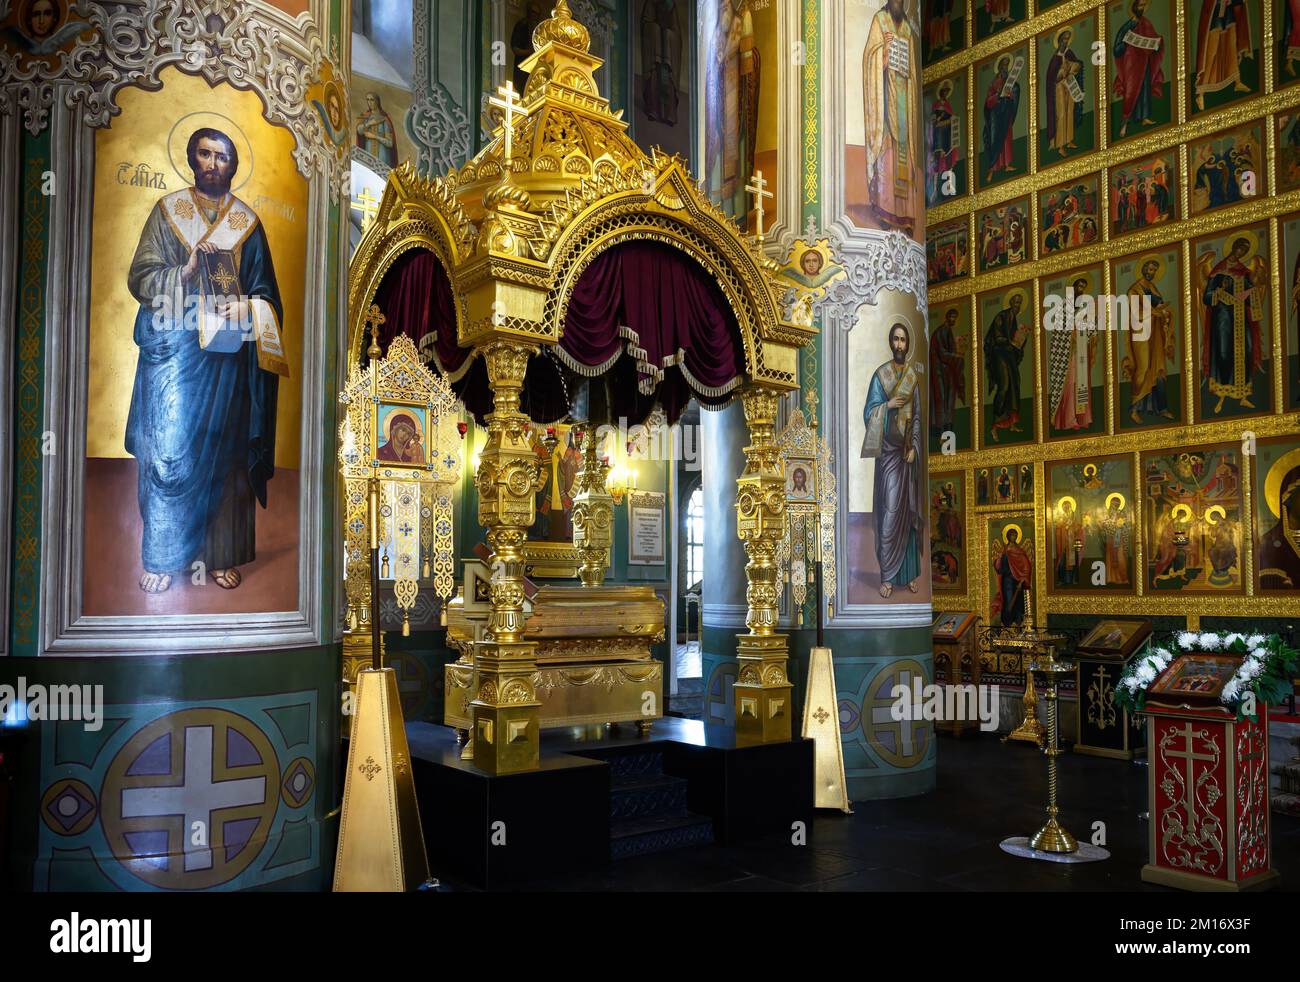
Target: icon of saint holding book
point(893, 438)
point(203, 408)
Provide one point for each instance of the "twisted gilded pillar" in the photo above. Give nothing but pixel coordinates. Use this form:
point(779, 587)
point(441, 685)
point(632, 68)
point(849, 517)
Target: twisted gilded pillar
point(505, 714)
point(593, 513)
point(762, 689)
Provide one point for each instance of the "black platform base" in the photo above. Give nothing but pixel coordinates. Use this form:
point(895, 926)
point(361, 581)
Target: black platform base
point(490, 830)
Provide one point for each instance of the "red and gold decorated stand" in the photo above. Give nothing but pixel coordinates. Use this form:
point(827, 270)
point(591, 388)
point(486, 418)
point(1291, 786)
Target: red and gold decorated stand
point(562, 247)
point(1208, 787)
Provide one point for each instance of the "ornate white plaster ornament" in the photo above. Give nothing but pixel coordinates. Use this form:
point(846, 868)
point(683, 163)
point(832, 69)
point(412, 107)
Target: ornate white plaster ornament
point(440, 125)
point(230, 41)
point(876, 261)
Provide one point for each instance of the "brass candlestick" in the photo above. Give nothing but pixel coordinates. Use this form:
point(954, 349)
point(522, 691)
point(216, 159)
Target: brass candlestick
point(1030, 729)
point(1029, 642)
point(1052, 837)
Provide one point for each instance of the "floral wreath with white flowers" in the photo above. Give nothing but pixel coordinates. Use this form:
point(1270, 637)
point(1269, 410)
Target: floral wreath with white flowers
point(1263, 678)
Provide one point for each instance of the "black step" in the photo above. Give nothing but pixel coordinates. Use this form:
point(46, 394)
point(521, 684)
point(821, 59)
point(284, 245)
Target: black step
point(631, 764)
point(647, 797)
point(641, 836)
point(647, 808)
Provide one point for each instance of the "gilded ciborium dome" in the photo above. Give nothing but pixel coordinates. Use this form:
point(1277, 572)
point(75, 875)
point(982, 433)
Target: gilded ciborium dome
point(561, 28)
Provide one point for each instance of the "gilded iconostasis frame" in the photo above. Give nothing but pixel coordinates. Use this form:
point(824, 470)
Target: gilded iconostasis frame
point(1184, 233)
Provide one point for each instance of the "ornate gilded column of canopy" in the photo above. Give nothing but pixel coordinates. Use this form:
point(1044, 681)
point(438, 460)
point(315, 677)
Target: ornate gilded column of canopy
point(593, 513)
point(762, 689)
point(505, 714)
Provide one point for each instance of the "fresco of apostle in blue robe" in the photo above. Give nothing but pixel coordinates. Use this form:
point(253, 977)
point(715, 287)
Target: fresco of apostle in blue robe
point(375, 132)
point(893, 419)
point(202, 419)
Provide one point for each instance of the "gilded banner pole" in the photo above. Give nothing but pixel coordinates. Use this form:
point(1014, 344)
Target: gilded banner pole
point(360, 646)
point(506, 720)
point(762, 688)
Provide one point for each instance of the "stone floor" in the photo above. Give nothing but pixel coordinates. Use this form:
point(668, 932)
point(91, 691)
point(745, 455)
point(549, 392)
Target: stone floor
point(943, 841)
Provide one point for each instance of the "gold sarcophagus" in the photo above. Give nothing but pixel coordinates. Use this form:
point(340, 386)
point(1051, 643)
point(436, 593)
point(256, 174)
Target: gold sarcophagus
point(594, 661)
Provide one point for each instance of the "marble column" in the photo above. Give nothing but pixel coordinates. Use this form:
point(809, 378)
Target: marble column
point(723, 437)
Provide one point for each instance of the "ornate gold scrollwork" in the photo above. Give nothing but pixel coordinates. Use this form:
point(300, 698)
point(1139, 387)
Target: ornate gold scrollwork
point(415, 516)
point(593, 513)
point(510, 475)
point(762, 690)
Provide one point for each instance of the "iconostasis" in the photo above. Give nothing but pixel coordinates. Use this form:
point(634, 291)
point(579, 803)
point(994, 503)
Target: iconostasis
point(1127, 171)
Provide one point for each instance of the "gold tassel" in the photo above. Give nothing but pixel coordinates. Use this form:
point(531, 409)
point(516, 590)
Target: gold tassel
point(442, 617)
point(426, 566)
point(800, 620)
point(383, 572)
point(406, 625)
point(352, 620)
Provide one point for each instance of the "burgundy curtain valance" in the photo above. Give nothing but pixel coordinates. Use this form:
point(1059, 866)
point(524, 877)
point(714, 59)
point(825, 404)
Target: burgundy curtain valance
point(644, 300)
point(657, 305)
point(416, 299)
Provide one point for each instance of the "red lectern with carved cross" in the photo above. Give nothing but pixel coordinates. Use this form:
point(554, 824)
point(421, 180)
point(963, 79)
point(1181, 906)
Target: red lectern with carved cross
point(1207, 782)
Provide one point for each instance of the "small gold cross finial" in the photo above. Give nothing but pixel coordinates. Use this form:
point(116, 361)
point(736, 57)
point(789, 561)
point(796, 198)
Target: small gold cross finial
point(507, 100)
point(374, 320)
point(368, 205)
point(758, 188)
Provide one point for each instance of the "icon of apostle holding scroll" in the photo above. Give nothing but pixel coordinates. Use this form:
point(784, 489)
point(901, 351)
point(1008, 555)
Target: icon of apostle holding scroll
point(202, 419)
point(893, 421)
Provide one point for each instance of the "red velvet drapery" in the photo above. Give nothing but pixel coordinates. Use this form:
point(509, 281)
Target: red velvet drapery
point(655, 305)
point(643, 313)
